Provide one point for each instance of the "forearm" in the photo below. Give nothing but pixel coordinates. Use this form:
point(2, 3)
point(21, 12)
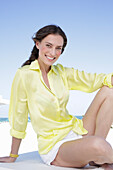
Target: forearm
point(14, 150)
point(15, 145)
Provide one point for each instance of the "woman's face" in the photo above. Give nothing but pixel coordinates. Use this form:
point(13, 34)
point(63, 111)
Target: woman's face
point(50, 49)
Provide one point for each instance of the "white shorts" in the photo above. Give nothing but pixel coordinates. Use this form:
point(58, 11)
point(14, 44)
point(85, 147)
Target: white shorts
point(50, 156)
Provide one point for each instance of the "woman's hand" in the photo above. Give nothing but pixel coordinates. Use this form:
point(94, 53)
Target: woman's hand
point(7, 159)
point(14, 151)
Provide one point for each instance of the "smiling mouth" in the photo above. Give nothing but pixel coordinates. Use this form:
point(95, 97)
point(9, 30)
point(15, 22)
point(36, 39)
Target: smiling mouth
point(50, 58)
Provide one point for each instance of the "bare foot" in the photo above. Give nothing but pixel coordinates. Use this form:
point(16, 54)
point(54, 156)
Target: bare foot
point(94, 164)
point(107, 166)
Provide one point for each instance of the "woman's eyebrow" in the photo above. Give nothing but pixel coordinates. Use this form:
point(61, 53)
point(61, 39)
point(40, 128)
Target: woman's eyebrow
point(52, 44)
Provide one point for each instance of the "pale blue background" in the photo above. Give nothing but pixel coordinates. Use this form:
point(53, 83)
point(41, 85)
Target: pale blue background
point(88, 25)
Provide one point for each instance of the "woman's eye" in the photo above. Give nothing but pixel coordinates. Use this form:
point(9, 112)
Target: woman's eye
point(59, 48)
point(48, 45)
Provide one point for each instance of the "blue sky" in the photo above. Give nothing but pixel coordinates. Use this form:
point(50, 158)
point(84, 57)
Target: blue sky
point(88, 25)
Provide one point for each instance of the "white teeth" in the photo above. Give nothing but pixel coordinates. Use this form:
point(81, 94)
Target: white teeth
point(50, 58)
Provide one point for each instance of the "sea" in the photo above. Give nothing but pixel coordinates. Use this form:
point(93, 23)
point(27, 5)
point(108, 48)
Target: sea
point(5, 119)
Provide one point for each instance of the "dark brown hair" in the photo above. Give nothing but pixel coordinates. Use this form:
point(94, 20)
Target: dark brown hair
point(40, 35)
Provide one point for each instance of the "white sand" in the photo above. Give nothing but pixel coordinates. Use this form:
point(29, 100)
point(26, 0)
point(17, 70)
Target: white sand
point(29, 158)
point(28, 144)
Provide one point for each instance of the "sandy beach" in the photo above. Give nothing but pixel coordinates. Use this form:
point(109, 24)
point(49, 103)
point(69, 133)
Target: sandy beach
point(29, 157)
point(28, 144)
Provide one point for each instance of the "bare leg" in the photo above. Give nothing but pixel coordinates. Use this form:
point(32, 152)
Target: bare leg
point(80, 152)
point(99, 115)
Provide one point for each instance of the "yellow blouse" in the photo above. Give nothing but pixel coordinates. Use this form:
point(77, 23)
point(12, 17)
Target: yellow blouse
point(47, 108)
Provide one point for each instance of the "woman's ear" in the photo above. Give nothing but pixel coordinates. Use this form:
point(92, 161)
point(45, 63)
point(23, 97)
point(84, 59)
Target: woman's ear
point(37, 44)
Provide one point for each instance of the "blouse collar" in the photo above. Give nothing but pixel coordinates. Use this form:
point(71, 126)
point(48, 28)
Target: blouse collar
point(35, 66)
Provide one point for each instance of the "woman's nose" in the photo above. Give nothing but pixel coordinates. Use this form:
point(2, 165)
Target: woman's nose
point(53, 52)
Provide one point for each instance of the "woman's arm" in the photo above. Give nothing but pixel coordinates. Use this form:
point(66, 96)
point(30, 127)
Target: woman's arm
point(14, 150)
point(87, 82)
point(112, 80)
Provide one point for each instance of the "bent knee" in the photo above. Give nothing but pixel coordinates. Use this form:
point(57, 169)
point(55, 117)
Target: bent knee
point(101, 146)
point(107, 92)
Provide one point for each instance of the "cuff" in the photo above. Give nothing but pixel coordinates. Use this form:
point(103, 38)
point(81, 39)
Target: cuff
point(17, 134)
point(107, 80)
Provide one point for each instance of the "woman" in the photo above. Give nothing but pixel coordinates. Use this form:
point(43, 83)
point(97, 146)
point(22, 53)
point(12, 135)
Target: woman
point(42, 89)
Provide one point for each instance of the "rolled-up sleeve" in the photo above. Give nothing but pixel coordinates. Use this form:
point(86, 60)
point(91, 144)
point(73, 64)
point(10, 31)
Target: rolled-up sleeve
point(107, 80)
point(18, 108)
point(87, 82)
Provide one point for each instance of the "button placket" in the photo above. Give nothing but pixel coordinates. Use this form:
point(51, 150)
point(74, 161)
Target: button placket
point(51, 91)
point(57, 102)
point(58, 105)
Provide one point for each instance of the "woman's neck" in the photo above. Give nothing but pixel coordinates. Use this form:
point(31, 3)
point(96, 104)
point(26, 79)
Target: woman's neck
point(44, 68)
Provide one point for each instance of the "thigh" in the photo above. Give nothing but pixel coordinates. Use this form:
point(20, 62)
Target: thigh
point(80, 152)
